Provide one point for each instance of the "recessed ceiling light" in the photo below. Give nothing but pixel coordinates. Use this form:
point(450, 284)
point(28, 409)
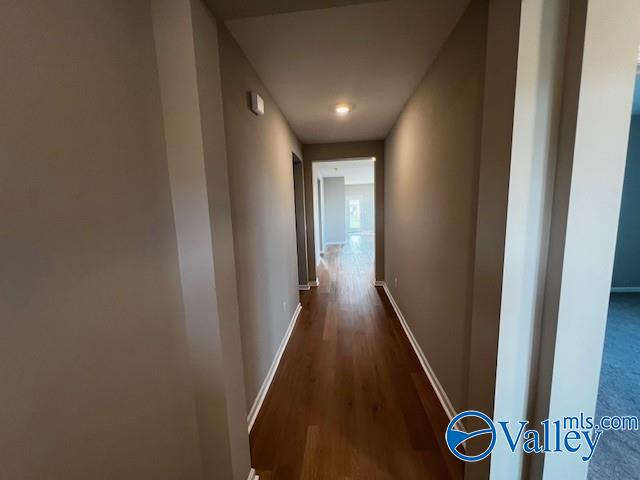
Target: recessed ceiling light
point(373, 159)
point(343, 108)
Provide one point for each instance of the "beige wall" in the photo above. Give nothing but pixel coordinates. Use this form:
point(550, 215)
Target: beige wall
point(93, 379)
point(340, 151)
point(262, 201)
point(431, 179)
point(187, 51)
point(218, 193)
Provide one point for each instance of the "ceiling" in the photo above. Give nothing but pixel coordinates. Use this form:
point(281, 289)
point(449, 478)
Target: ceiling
point(227, 9)
point(355, 172)
point(370, 55)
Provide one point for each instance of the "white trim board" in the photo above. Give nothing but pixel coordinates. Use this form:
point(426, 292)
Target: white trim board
point(625, 289)
point(253, 475)
point(262, 393)
point(435, 383)
point(304, 287)
point(378, 283)
point(314, 283)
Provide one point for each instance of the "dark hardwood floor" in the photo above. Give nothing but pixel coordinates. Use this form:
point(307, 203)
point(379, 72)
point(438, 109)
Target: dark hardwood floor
point(350, 399)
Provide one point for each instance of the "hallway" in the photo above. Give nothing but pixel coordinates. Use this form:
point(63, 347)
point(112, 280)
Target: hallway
point(350, 399)
point(292, 239)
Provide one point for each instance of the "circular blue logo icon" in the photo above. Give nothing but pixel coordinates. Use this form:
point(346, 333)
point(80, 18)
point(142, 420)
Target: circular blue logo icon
point(455, 437)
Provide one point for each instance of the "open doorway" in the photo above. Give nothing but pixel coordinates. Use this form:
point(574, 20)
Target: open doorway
point(301, 226)
point(619, 388)
point(344, 213)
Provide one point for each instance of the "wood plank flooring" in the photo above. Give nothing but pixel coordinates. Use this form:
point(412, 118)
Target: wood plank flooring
point(350, 399)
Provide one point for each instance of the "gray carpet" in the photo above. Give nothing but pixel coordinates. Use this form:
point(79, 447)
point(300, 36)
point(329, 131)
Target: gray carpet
point(618, 453)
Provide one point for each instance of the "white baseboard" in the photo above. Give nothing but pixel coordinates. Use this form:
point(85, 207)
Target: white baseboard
point(257, 404)
point(253, 475)
point(625, 289)
point(314, 283)
point(378, 283)
point(435, 383)
point(304, 287)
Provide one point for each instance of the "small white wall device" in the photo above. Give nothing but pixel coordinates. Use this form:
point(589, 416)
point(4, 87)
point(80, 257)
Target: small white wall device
point(256, 103)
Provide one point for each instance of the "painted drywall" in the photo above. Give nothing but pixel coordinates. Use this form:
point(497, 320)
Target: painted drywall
point(626, 268)
point(566, 143)
point(591, 192)
point(372, 55)
point(334, 210)
point(531, 102)
point(94, 373)
point(209, 84)
point(225, 10)
point(493, 189)
point(341, 151)
point(222, 417)
point(364, 193)
point(180, 26)
point(259, 152)
point(432, 158)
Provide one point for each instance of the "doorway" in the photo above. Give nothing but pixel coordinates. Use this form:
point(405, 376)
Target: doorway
point(619, 386)
point(344, 211)
point(301, 226)
point(584, 212)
